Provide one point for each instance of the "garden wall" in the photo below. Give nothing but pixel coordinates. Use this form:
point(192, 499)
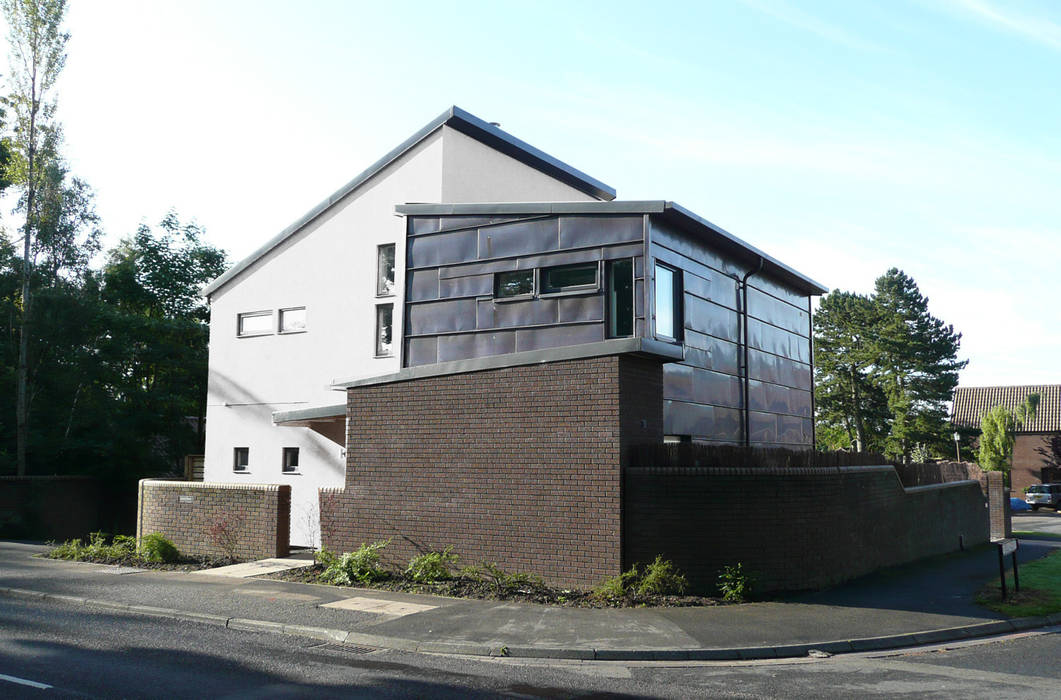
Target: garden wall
point(49, 507)
point(794, 529)
point(185, 512)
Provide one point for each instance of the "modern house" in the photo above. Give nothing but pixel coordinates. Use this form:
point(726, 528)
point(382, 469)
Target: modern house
point(466, 255)
point(1031, 443)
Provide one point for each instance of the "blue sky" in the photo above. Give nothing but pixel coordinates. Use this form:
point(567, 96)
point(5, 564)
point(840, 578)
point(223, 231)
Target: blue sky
point(842, 137)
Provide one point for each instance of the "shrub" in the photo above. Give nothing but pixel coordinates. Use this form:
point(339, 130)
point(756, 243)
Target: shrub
point(325, 557)
point(502, 581)
point(360, 566)
point(155, 547)
point(734, 584)
point(70, 550)
point(432, 566)
point(225, 534)
point(661, 577)
point(618, 586)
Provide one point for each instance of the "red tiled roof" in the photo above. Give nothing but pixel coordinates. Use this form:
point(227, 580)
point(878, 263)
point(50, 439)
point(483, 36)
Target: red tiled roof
point(971, 402)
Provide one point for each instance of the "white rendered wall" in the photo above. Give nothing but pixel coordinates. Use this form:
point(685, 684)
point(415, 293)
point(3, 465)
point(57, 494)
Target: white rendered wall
point(330, 268)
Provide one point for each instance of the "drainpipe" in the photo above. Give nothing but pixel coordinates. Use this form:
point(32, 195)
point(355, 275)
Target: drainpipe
point(746, 415)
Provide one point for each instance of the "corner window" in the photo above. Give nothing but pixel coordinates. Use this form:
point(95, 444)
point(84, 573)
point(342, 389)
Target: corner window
point(293, 320)
point(254, 323)
point(519, 283)
point(290, 464)
point(619, 278)
point(668, 310)
point(240, 459)
point(570, 278)
point(385, 270)
point(384, 330)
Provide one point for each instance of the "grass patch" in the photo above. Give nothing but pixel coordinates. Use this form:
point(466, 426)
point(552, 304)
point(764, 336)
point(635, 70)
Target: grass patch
point(1040, 593)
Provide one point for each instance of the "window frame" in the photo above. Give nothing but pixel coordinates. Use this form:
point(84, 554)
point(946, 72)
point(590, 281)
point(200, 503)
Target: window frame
point(254, 314)
point(378, 349)
point(280, 321)
point(573, 289)
point(245, 467)
point(382, 293)
point(286, 468)
point(515, 297)
point(677, 299)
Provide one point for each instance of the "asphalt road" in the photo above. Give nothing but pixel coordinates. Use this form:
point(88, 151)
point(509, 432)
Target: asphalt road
point(80, 652)
point(1043, 520)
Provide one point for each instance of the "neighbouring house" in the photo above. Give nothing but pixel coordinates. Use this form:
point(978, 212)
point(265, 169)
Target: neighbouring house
point(1031, 440)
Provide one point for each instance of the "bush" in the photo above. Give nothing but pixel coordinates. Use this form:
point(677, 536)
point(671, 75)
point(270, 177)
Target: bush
point(662, 578)
point(155, 547)
point(98, 548)
point(618, 586)
point(432, 566)
point(734, 584)
point(360, 566)
point(325, 557)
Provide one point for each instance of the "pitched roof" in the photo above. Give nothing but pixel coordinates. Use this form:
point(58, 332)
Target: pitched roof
point(468, 124)
point(673, 212)
point(970, 402)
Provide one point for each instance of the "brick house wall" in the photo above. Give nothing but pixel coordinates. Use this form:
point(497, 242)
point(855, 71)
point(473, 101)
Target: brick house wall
point(1027, 462)
point(794, 529)
point(519, 466)
point(185, 511)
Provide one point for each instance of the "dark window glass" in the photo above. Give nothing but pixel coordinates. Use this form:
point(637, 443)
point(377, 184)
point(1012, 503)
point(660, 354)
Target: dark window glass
point(668, 293)
point(240, 458)
point(384, 330)
point(385, 270)
point(569, 277)
point(290, 459)
point(620, 281)
point(514, 284)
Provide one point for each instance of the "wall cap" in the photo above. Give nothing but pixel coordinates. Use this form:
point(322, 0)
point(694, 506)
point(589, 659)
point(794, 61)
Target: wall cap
point(217, 485)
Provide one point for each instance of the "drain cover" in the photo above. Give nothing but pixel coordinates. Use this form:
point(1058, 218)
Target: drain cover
point(347, 648)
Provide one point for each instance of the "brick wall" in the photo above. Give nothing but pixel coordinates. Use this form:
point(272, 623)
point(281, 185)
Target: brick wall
point(794, 528)
point(49, 507)
point(1027, 462)
point(519, 466)
point(940, 473)
point(998, 506)
point(184, 511)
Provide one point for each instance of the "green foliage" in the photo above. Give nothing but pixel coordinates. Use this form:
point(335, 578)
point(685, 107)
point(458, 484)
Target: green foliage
point(100, 547)
point(432, 566)
point(618, 586)
point(998, 428)
point(661, 577)
point(359, 566)
point(156, 548)
point(500, 580)
point(325, 557)
point(1040, 590)
point(734, 584)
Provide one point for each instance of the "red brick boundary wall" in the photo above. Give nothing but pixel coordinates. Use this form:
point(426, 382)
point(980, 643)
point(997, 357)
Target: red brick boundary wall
point(49, 507)
point(794, 529)
point(185, 511)
point(519, 466)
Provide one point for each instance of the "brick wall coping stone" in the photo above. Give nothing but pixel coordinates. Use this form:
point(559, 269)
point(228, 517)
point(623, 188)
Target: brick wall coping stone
point(937, 487)
point(177, 484)
point(645, 347)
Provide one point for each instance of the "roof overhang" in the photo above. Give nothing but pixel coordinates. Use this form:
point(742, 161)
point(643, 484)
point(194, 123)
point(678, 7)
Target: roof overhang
point(669, 211)
point(304, 417)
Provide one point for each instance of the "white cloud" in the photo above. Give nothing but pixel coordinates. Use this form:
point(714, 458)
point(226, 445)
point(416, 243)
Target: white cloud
point(1037, 28)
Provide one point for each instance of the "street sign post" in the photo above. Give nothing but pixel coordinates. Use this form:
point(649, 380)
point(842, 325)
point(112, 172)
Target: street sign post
point(1007, 546)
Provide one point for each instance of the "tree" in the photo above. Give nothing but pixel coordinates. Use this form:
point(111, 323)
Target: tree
point(998, 428)
point(38, 52)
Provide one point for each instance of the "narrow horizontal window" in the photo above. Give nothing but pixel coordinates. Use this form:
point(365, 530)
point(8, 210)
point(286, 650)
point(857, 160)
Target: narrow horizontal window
point(514, 284)
point(240, 459)
point(293, 320)
point(254, 323)
point(384, 330)
point(290, 457)
point(385, 270)
point(569, 278)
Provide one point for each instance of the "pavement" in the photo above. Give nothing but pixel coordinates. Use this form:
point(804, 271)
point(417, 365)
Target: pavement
point(922, 603)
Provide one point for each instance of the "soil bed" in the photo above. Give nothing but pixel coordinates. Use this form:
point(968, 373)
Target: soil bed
point(182, 564)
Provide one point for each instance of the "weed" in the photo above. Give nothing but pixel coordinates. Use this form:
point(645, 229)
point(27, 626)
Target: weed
point(155, 547)
point(619, 586)
point(734, 583)
point(432, 566)
point(359, 566)
point(500, 580)
point(661, 577)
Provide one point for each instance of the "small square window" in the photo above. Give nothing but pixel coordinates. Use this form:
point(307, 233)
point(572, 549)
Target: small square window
point(254, 323)
point(385, 270)
point(570, 278)
point(384, 330)
point(293, 320)
point(240, 459)
point(290, 460)
point(519, 283)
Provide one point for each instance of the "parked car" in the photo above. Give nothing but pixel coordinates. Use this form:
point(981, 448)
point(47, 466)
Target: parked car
point(1043, 495)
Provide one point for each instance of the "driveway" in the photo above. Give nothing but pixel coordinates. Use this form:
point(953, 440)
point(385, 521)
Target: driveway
point(1044, 520)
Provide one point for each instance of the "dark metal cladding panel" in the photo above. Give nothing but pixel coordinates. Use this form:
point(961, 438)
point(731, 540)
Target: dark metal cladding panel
point(639, 298)
point(477, 285)
point(778, 341)
point(525, 238)
point(487, 268)
point(691, 248)
point(778, 313)
point(695, 284)
point(469, 345)
point(677, 382)
point(706, 422)
point(771, 286)
point(778, 370)
point(716, 388)
point(712, 319)
point(711, 353)
point(639, 266)
point(579, 308)
point(778, 399)
point(583, 231)
point(423, 224)
point(443, 248)
point(762, 427)
point(533, 312)
point(558, 336)
point(639, 327)
point(421, 351)
point(630, 250)
point(423, 284)
point(720, 288)
point(442, 317)
point(569, 257)
point(449, 223)
point(793, 430)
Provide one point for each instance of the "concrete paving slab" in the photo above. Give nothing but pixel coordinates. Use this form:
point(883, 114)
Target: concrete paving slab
point(274, 594)
point(257, 568)
point(120, 570)
point(381, 606)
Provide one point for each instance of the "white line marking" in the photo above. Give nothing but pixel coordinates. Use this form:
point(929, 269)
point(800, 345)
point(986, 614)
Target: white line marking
point(23, 681)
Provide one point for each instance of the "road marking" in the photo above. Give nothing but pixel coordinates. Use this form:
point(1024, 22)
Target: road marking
point(23, 681)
